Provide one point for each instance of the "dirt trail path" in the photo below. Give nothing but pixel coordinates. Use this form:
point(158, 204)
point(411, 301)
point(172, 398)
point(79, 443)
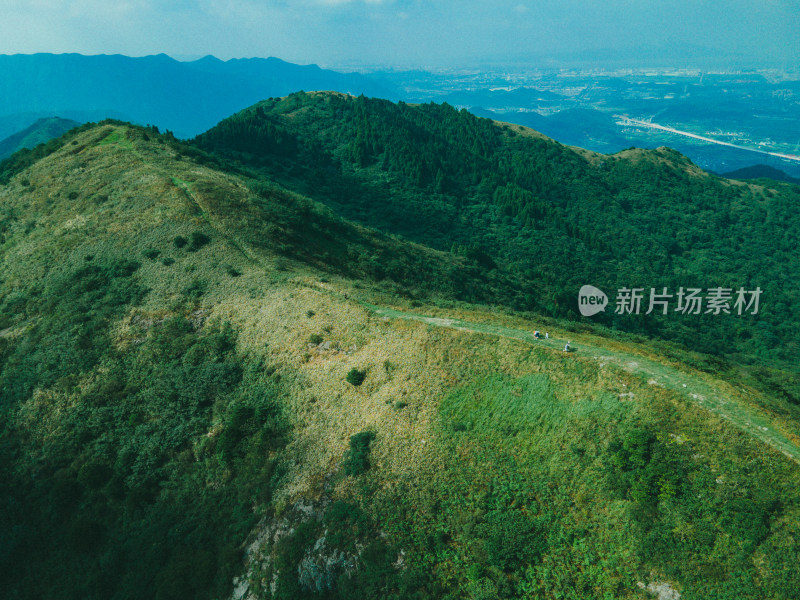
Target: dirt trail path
point(698, 387)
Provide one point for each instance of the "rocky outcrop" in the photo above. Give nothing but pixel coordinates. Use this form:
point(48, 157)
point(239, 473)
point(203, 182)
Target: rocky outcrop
point(318, 569)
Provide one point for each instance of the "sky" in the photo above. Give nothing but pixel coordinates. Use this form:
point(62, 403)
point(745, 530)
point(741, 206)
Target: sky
point(414, 33)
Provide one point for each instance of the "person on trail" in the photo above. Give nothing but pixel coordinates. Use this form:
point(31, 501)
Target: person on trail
point(546, 335)
point(536, 334)
point(566, 348)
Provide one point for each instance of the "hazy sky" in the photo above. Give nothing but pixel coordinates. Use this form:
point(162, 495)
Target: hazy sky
point(409, 32)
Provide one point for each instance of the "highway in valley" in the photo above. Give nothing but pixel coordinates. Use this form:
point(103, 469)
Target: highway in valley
point(627, 121)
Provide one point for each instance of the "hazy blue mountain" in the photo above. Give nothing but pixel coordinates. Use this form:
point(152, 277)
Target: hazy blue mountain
point(761, 171)
point(41, 131)
point(11, 124)
point(185, 97)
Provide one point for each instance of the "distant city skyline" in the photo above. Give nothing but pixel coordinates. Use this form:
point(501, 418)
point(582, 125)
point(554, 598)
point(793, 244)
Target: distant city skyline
point(417, 34)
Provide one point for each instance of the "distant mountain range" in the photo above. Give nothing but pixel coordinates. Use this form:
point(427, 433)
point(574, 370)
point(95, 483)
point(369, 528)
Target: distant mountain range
point(184, 97)
point(188, 98)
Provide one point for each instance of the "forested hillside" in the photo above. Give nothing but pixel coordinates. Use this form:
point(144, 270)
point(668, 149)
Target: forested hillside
point(552, 218)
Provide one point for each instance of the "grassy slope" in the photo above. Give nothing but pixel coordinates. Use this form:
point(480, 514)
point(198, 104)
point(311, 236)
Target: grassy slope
point(726, 401)
point(481, 440)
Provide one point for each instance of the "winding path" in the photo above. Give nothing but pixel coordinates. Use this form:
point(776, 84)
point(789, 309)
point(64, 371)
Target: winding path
point(694, 385)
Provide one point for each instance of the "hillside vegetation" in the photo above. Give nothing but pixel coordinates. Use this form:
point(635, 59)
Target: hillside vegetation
point(207, 393)
point(550, 217)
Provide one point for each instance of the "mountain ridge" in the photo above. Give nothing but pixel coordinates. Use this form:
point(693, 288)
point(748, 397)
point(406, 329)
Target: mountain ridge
point(450, 180)
point(200, 402)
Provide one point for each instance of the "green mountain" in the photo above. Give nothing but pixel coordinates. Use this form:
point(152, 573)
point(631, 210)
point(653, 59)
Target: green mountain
point(122, 261)
point(213, 386)
point(43, 130)
point(550, 217)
